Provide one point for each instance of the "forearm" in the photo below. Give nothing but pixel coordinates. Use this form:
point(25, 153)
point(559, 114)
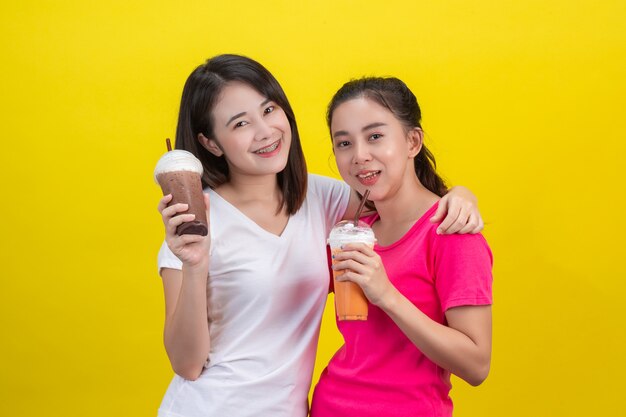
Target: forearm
point(449, 348)
point(186, 333)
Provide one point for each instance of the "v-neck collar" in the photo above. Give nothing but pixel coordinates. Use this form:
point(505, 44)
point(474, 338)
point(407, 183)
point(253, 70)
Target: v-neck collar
point(255, 225)
point(418, 223)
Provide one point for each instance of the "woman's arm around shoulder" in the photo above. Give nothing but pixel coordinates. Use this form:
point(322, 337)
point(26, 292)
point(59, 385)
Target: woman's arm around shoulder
point(457, 211)
point(460, 209)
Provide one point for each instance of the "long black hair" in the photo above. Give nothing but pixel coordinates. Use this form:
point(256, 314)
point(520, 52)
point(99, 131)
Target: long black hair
point(200, 94)
point(394, 95)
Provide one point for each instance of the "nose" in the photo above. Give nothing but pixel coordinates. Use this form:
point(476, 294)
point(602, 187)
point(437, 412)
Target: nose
point(263, 130)
point(361, 154)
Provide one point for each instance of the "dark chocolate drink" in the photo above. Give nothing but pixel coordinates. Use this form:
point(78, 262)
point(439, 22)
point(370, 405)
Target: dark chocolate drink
point(178, 173)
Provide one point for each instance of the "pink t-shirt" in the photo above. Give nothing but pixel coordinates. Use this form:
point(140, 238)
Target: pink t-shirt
point(378, 372)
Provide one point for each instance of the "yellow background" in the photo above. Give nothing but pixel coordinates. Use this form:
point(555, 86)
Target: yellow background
point(523, 102)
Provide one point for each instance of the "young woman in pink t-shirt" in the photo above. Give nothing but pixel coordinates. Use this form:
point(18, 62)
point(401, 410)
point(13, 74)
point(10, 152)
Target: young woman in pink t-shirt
point(429, 294)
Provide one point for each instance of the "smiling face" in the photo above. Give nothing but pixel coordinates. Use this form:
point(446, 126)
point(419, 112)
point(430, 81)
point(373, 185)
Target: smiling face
point(372, 148)
point(251, 131)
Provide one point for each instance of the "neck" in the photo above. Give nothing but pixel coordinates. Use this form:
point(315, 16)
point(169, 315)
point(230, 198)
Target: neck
point(251, 188)
point(410, 201)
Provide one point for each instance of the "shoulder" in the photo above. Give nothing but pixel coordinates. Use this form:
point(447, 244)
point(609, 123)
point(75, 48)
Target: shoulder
point(462, 269)
point(327, 198)
point(452, 242)
point(320, 183)
point(467, 247)
point(327, 189)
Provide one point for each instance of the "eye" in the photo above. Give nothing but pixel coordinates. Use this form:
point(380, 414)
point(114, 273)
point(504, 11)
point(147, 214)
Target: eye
point(342, 144)
point(268, 109)
point(375, 136)
point(240, 124)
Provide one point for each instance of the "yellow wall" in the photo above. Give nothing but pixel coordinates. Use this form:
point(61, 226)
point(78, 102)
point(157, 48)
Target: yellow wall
point(523, 102)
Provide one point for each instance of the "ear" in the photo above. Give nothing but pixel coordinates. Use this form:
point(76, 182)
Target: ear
point(414, 141)
point(210, 145)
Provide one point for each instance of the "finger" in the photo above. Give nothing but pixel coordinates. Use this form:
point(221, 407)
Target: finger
point(176, 221)
point(359, 247)
point(351, 265)
point(190, 239)
point(207, 204)
point(481, 225)
point(348, 275)
point(163, 202)
point(174, 209)
point(362, 255)
point(341, 264)
point(453, 214)
point(458, 223)
point(356, 258)
point(442, 208)
point(178, 244)
point(476, 222)
point(470, 226)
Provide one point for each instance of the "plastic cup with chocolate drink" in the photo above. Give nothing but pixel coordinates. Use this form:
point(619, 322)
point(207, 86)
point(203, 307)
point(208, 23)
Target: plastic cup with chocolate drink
point(179, 173)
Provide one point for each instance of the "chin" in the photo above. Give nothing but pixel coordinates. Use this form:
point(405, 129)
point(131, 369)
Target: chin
point(278, 168)
point(374, 196)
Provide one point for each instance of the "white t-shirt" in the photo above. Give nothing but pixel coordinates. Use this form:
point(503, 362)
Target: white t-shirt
point(266, 295)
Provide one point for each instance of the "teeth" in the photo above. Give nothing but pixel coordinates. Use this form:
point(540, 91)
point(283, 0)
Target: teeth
point(268, 149)
point(369, 174)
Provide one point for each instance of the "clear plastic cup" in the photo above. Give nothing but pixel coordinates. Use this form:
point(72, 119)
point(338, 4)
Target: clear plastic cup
point(350, 302)
point(179, 173)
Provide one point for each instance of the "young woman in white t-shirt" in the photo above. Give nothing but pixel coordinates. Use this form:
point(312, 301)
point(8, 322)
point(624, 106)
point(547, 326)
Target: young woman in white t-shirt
point(244, 304)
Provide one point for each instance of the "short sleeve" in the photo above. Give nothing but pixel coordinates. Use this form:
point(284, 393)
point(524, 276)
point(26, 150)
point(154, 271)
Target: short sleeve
point(167, 259)
point(333, 196)
point(463, 270)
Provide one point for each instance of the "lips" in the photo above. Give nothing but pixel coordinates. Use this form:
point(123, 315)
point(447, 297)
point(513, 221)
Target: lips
point(368, 177)
point(269, 150)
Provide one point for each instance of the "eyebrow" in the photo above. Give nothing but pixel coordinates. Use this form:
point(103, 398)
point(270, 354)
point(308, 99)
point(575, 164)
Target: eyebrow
point(365, 128)
point(238, 115)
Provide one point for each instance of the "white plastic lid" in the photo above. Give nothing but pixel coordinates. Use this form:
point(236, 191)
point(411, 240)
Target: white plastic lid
point(178, 160)
point(346, 232)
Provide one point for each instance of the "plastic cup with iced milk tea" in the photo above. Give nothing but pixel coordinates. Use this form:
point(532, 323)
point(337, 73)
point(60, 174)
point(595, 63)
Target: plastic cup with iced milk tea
point(179, 173)
point(350, 302)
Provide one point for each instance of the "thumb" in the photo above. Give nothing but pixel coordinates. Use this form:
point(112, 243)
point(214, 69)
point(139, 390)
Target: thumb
point(442, 209)
point(207, 203)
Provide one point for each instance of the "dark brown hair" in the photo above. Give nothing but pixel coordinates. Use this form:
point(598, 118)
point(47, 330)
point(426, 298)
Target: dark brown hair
point(200, 94)
point(394, 95)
